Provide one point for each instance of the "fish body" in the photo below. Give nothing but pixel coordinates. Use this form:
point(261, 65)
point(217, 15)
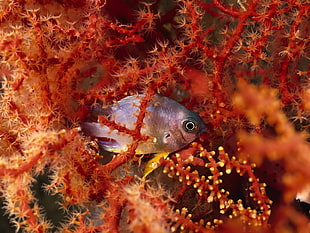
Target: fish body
point(169, 125)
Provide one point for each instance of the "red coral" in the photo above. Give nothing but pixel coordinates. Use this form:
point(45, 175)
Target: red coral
point(242, 65)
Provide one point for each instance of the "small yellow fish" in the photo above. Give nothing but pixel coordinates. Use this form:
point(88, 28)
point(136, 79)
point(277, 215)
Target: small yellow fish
point(169, 125)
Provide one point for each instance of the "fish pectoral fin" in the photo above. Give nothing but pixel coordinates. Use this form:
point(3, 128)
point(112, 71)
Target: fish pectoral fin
point(152, 164)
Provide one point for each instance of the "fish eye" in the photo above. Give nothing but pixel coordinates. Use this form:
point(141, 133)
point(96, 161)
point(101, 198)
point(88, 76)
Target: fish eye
point(190, 125)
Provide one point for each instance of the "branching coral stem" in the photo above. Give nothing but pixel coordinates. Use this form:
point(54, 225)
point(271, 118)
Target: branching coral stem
point(22, 168)
point(66, 137)
point(31, 219)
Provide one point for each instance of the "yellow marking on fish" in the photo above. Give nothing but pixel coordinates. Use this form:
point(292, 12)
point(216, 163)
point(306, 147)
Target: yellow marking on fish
point(152, 164)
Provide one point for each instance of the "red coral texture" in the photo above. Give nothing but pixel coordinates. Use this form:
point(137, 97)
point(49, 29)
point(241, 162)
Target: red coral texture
point(242, 65)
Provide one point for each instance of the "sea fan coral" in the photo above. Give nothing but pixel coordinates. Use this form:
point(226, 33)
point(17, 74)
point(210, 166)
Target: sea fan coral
point(242, 65)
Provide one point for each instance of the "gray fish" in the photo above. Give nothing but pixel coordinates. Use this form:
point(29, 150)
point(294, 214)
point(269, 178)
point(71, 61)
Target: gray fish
point(169, 125)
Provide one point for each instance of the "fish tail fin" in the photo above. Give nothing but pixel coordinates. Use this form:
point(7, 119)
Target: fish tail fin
point(95, 129)
point(152, 164)
point(109, 139)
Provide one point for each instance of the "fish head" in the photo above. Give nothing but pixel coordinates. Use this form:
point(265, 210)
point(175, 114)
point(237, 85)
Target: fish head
point(184, 130)
point(173, 125)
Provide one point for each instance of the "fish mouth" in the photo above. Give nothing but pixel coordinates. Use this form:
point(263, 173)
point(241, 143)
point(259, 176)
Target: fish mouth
point(203, 129)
